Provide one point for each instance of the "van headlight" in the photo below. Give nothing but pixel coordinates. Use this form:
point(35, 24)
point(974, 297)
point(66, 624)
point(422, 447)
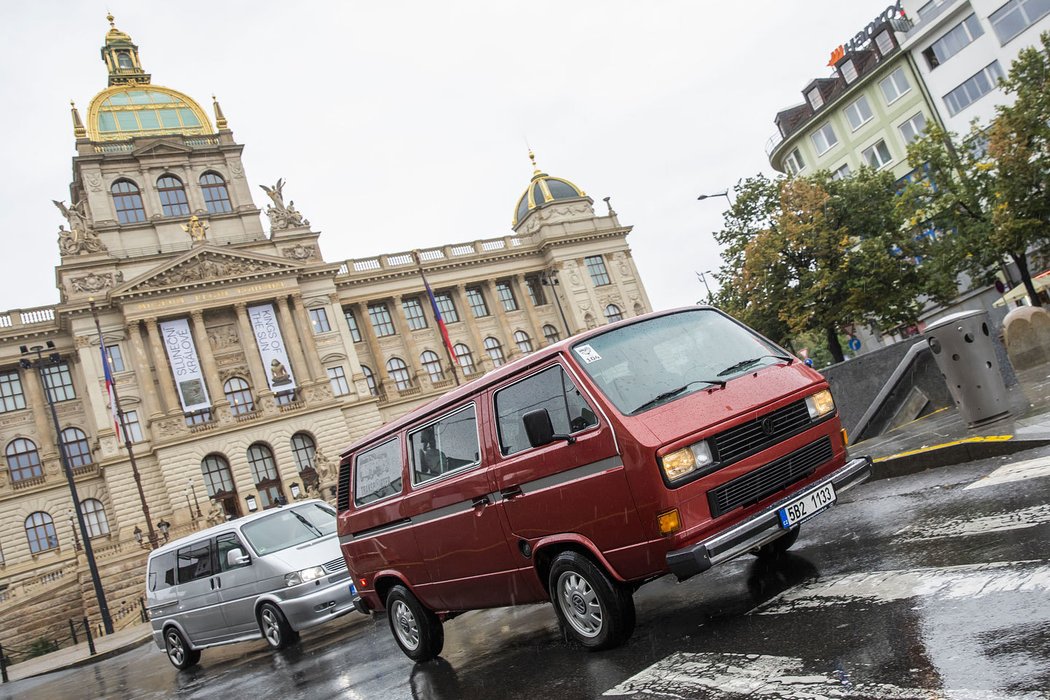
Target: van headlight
point(820, 404)
point(686, 460)
point(297, 577)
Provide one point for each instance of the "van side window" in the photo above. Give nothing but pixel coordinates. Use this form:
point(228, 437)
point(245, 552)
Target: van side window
point(550, 389)
point(195, 561)
point(377, 472)
point(162, 571)
point(223, 544)
point(445, 446)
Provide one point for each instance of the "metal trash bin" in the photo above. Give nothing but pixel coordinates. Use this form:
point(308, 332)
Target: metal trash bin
point(963, 348)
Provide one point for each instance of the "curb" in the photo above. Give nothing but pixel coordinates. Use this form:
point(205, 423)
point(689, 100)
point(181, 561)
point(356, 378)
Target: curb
point(77, 663)
point(949, 453)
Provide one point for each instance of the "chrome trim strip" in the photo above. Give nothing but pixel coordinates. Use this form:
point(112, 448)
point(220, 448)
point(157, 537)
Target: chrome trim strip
point(573, 474)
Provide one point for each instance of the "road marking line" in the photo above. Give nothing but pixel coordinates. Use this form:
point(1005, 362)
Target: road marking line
point(941, 446)
point(1018, 471)
point(962, 527)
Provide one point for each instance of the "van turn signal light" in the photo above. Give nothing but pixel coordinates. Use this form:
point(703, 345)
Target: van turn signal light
point(845, 438)
point(669, 522)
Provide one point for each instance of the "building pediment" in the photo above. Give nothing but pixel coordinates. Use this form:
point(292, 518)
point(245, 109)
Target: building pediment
point(205, 266)
point(160, 147)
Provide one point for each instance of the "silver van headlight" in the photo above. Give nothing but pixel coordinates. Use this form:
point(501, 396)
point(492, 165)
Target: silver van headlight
point(297, 577)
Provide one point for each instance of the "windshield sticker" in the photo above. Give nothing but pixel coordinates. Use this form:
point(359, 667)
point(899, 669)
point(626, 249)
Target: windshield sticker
point(587, 354)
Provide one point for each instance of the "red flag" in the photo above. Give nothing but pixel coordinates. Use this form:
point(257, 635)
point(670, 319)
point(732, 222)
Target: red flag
point(440, 320)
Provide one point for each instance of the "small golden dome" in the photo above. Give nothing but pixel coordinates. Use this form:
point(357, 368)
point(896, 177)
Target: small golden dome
point(543, 189)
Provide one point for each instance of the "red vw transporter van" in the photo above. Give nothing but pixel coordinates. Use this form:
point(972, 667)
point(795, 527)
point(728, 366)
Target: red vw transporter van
point(667, 443)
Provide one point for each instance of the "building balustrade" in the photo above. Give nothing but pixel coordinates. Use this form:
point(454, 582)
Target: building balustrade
point(27, 317)
point(28, 483)
point(407, 259)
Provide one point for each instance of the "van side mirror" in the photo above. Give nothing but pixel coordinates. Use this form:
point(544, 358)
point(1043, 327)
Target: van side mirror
point(237, 557)
point(540, 430)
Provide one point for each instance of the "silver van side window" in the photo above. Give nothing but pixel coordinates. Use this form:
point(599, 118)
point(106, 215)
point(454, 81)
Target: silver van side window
point(551, 389)
point(162, 571)
point(195, 561)
point(446, 445)
point(223, 544)
point(377, 472)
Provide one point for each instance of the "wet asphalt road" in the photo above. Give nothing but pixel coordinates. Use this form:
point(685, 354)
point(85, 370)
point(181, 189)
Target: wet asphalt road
point(935, 585)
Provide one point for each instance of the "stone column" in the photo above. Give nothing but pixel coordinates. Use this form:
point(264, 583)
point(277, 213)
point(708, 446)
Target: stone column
point(368, 332)
point(510, 349)
point(170, 398)
point(352, 359)
point(291, 340)
point(91, 366)
point(480, 357)
point(37, 402)
point(251, 350)
point(306, 333)
point(208, 366)
point(141, 368)
point(401, 326)
point(526, 302)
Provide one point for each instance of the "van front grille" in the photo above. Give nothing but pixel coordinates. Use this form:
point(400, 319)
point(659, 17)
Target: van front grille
point(335, 565)
point(342, 499)
point(767, 480)
point(760, 433)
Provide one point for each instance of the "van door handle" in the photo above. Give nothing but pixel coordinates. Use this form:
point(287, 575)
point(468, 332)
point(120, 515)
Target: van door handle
point(511, 492)
point(480, 502)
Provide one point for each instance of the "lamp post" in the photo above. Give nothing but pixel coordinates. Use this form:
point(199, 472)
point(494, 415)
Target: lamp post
point(41, 363)
point(73, 529)
point(716, 194)
point(196, 503)
point(549, 279)
point(702, 276)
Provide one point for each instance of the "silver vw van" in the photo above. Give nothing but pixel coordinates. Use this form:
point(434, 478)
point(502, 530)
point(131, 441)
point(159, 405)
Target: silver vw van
point(267, 575)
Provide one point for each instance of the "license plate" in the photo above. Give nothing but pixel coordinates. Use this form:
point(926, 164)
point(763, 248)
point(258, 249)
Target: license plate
point(807, 506)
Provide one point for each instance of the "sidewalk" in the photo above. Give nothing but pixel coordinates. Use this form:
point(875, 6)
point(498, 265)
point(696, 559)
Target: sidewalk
point(70, 657)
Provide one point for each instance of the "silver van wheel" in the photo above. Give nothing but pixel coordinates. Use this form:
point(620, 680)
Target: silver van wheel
point(271, 627)
point(579, 603)
point(405, 626)
point(176, 652)
point(275, 628)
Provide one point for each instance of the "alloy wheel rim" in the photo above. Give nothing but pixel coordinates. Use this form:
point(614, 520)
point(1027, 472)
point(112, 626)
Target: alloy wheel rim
point(175, 650)
point(405, 626)
point(273, 630)
point(579, 603)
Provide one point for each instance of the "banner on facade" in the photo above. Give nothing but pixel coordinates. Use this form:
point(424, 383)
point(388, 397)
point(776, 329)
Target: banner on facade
point(271, 348)
point(185, 365)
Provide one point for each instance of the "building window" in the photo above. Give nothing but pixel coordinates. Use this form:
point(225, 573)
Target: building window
point(858, 113)
point(337, 379)
point(494, 350)
point(319, 319)
point(134, 428)
point(77, 449)
point(815, 99)
point(94, 517)
point(523, 341)
point(974, 88)
point(466, 360)
point(303, 449)
point(550, 333)
point(264, 473)
point(885, 42)
point(596, 266)
point(432, 365)
point(40, 531)
point(116, 359)
point(913, 128)
point(370, 380)
point(849, 71)
point(613, 313)
point(199, 417)
point(127, 200)
point(447, 307)
point(476, 301)
point(506, 296)
point(953, 41)
point(351, 321)
point(239, 394)
point(397, 370)
point(1016, 16)
point(23, 460)
point(11, 396)
point(894, 85)
point(381, 321)
point(414, 314)
point(173, 200)
point(841, 172)
point(535, 287)
point(929, 8)
point(794, 163)
point(824, 138)
point(217, 478)
point(216, 196)
point(59, 382)
point(876, 155)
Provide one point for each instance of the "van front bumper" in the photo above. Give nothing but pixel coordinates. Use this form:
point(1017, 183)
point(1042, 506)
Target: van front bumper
point(320, 605)
point(759, 529)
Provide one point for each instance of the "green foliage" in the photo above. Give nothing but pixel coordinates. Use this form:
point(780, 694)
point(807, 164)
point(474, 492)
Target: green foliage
point(41, 646)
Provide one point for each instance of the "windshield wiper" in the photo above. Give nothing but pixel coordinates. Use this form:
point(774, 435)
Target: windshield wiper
point(309, 525)
point(675, 392)
point(744, 364)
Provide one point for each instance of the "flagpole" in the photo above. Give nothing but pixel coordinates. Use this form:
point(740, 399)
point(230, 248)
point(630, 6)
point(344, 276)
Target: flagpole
point(437, 317)
point(115, 398)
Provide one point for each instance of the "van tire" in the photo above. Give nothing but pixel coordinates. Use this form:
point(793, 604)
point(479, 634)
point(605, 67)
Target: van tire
point(576, 585)
point(776, 548)
point(416, 630)
point(275, 628)
point(178, 649)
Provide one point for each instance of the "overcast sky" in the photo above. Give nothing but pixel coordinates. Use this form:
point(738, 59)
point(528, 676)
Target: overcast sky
point(404, 124)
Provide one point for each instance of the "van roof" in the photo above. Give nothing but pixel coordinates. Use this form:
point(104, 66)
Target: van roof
point(497, 375)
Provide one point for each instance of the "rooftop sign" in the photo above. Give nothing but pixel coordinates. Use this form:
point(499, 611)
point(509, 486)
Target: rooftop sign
point(865, 35)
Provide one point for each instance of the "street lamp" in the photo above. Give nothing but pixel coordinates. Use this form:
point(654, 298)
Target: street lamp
point(702, 276)
point(41, 364)
point(193, 489)
point(549, 279)
point(716, 194)
point(164, 526)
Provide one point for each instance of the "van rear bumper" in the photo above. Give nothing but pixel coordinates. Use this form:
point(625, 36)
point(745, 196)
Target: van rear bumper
point(759, 529)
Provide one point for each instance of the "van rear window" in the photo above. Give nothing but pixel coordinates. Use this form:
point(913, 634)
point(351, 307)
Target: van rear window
point(377, 472)
point(162, 571)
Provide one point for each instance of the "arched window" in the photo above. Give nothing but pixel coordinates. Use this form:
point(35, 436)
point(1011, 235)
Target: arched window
point(95, 517)
point(75, 443)
point(23, 461)
point(495, 351)
point(523, 341)
point(303, 449)
point(239, 394)
point(613, 313)
point(370, 380)
point(40, 531)
point(466, 360)
point(432, 365)
point(551, 334)
point(264, 472)
point(217, 477)
point(216, 196)
point(398, 371)
point(127, 200)
point(172, 196)
point(124, 60)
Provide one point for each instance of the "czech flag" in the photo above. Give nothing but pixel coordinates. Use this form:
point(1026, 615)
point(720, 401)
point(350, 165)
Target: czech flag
point(111, 392)
point(440, 321)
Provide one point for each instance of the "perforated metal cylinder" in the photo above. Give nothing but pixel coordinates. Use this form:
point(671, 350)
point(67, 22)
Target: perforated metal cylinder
point(963, 348)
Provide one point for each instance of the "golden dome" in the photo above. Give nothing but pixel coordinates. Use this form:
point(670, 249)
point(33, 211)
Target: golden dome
point(543, 189)
point(123, 111)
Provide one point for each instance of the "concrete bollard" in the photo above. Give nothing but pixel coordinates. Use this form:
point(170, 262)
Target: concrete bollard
point(963, 348)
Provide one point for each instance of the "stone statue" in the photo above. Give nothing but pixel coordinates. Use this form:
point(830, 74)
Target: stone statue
point(282, 216)
point(215, 514)
point(80, 239)
point(197, 229)
point(326, 471)
point(279, 373)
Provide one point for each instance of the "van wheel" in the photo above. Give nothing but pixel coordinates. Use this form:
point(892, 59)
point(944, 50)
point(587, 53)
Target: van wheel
point(275, 628)
point(416, 630)
point(178, 649)
point(777, 547)
point(593, 609)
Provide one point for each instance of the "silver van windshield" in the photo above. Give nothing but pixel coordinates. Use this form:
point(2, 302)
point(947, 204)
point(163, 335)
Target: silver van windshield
point(289, 527)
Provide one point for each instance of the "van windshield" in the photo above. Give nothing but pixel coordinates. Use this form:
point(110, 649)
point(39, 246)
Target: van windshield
point(289, 527)
point(647, 364)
